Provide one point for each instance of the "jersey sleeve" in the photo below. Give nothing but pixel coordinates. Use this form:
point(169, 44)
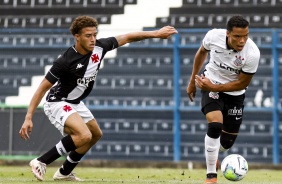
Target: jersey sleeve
point(109, 43)
point(54, 73)
point(207, 40)
point(252, 63)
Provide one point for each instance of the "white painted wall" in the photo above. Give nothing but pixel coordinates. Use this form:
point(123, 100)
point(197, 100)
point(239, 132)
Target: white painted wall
point(136, 17)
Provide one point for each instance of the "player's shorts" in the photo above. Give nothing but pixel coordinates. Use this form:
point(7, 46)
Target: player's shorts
point(58, 112)
point(232, 108)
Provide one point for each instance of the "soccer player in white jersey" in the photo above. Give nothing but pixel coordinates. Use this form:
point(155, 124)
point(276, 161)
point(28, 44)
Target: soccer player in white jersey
point(233, 61)
point(73, 75)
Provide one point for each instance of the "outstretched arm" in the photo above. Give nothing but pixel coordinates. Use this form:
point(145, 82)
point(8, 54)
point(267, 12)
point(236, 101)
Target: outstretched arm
point(163, 33)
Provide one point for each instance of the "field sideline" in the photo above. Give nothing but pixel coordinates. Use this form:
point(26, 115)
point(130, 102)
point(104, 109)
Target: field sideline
point(22, 174)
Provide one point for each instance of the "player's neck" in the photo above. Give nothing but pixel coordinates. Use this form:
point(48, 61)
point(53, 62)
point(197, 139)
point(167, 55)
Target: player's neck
point(229, 46)
point(81, 50)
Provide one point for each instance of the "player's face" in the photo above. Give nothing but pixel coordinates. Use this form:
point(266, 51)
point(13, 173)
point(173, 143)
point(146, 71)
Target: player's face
point(86, 40)
point(237, 38)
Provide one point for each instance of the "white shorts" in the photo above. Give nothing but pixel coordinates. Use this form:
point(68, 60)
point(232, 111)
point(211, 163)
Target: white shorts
point(58, 112)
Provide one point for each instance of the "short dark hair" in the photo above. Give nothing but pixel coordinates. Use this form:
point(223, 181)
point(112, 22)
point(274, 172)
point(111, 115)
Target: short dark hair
point(237, 21)
point(81, 22)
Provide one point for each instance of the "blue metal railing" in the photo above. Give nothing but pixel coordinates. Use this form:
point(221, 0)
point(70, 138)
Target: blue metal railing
point(275, 92)
point(177, 98)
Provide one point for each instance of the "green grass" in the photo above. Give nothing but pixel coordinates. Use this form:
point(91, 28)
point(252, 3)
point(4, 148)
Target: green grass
point(22, 174)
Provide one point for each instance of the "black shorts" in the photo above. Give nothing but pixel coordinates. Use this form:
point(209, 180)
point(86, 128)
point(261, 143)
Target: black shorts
point(232, 108)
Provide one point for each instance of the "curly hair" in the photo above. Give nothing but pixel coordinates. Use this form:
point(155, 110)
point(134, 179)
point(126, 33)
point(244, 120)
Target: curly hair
point(237, 21)
point(81, 22)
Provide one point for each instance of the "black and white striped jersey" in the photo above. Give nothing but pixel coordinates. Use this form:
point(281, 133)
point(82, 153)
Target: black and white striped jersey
point(75, 74)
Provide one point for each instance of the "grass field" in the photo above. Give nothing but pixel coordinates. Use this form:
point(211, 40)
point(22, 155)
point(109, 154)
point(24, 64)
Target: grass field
point(22, 174)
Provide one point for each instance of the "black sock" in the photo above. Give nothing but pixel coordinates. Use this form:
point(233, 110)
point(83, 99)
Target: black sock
point(70, 163)
point(49, 156)
point(63, 147)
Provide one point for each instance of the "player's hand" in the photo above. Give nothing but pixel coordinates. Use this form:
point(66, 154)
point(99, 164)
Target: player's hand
point(191, 91)
point(166, 32)
point(26, 129)
point(203, 83)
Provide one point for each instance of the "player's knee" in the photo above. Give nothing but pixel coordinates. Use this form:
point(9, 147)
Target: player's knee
point(86, 137)
point(227, 140)
point(98, 134)
point(214, 130)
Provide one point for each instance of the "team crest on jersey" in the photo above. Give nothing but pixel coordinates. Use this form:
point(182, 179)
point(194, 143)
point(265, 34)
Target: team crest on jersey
point(238, 61)
point(214, 95)
point(95, 58)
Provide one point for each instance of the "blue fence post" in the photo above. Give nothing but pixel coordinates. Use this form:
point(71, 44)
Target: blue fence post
point(275, 91)
point(176, 96)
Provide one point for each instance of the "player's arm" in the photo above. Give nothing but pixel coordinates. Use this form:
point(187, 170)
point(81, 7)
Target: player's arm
point(241, 83)
point(27, 126)
point(163, 33)
point(199, 60)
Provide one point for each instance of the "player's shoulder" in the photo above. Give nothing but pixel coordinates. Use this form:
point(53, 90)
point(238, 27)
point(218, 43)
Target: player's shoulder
point(64, 58)
point(251, 45)
point(217, 32)
point(216, 35)
point(107, 44)
point(103, 41)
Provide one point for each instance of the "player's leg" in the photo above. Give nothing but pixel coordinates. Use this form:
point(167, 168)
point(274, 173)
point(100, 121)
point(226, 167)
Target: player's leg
point(227, 140)
point(75, 156)
point(65, 172)
point(38, 165)
point(233, 117)
point(72, 126)
point(81, 136)
point(59, 114)
point(212, 143)
point(211, 107)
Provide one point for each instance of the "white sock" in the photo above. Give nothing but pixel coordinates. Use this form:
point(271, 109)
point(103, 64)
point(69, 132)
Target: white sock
point(211, 153)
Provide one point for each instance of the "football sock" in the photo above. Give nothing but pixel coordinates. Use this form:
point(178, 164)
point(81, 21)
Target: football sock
point(49, 156)
point(70, 163)
point(212, 143)
point(64, 146)
point(211, 153)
